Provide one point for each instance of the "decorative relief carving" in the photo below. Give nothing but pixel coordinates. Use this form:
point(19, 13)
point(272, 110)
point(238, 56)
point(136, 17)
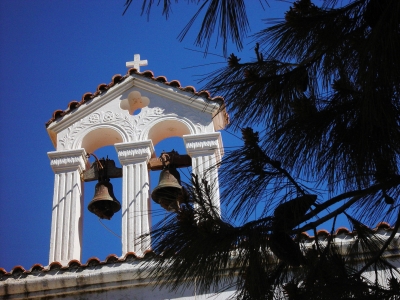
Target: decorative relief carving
point(203, 144)
point(94, 118)
point(108, 116)
point(132, 125)
point(133, 152)
point(140, 121)
point(67, 140)
point(57, 161)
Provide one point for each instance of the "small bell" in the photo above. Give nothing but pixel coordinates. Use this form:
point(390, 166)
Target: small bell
point(104, 204)
point(168, 193)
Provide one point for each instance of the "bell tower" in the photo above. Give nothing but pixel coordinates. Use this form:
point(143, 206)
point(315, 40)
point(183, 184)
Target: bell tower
point(133, 112)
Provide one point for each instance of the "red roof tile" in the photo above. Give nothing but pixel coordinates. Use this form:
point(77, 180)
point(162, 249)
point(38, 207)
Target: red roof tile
point(342, 230)
point(55, 265)
point(383, 225)
point(322, 232)
point(93, 261)
point(17, 270)
point(36, 268)
point(112, 258)
point(74, 264)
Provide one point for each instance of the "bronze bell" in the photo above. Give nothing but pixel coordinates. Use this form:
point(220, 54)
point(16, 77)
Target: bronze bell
point(104, 204)
point(168, 193)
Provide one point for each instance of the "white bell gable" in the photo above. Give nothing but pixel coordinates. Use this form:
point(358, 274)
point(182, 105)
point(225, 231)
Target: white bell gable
point(133, 113)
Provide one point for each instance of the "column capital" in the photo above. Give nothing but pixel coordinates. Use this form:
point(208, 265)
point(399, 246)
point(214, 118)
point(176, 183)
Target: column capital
point(68, 160)
point(204, 144)
point(133, 152)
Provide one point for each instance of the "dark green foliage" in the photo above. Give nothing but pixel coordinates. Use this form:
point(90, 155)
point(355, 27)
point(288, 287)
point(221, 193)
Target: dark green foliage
point(323, 92)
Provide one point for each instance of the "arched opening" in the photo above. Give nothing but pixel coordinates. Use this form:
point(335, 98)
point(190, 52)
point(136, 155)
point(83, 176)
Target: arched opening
point(101, 237)
point(100, 137)
point(166, 129)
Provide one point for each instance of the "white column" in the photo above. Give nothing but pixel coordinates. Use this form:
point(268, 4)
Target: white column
point(206, 151)
point(134, 157)
point(67, 217)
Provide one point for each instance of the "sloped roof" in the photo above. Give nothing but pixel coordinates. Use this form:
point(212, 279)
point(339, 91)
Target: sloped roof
point(118, 78)
point(73, 264)
point(341, 233)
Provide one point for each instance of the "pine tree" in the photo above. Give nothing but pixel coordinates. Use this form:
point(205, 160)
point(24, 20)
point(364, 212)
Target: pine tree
point(323, 93)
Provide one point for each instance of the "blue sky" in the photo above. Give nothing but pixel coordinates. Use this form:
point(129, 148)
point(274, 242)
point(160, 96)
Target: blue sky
point(52, 52)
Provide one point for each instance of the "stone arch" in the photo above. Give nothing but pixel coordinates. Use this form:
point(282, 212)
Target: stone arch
point(167, 127)
point(99, 136)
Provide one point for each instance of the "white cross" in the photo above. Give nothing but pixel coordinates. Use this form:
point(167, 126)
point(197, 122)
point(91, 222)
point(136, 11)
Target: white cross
point(136, 63)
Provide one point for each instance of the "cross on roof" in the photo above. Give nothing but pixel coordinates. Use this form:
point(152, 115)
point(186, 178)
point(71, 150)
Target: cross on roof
point(136, 63)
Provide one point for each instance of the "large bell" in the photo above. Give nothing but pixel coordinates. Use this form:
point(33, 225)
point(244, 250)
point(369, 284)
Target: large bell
point(168, 192)
point(104, 204)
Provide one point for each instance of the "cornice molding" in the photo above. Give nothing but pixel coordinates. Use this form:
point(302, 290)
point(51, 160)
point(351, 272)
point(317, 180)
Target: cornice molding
point(68, 160)
point(134, 151)
point(204, 144)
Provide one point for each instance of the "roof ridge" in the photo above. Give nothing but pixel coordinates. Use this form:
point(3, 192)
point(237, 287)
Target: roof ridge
point(118, 78)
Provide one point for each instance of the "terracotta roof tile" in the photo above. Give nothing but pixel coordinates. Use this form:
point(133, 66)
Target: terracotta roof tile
point(175, 83)
point(148, 74)
point(74, 264)
point(323, 232)
point(383, 225)
point(130, 256)
point(148, 254)
point(17, 270)
point(112, 258)
point(162, 79)
point(58, 114)
point(190, 89)
point(55, 265)
point(86, 97)
point(117, 78)
point(72, 105)
point(102, 88)
point(303, 235)
point(36, 268)
point(3, 271)
point(342, 230)
point(205, 94)
point(93, 261)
